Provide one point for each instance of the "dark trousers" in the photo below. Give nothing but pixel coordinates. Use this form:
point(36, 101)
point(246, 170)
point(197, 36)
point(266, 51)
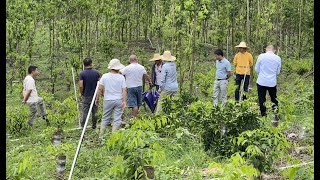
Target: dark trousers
point(239, 79)
point(85, 109)
point(262, 91)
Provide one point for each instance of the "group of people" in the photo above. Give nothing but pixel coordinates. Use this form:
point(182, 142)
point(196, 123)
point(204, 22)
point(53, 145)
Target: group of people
point(122, 86)
point(267, 67)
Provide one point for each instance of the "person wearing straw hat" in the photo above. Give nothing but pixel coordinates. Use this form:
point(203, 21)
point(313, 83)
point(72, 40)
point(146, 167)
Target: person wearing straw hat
point(134, 73)
point(169, 83)
point(88, 79)
point(156, 70)
point(243, 61)
point(113, 86)
point(268, 68)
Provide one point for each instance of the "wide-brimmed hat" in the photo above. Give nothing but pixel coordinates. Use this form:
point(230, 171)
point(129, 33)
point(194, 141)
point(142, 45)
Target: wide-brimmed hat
point(156, 57)
point(242, 45)
point(115, 64)
point(167, 56)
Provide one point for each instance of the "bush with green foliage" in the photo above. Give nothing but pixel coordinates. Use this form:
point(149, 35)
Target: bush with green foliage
point(262, 147)
point(16, 120)
point(138, 146)
point(207, 121)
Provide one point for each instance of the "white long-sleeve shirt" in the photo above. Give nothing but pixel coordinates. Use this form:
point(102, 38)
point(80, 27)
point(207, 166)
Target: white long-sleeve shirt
point(268, 66)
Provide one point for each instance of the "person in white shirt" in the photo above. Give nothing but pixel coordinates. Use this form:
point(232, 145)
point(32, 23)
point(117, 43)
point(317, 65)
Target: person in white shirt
point(31, 98)
point(134, 73)
point(113, 87)
point(268, 67)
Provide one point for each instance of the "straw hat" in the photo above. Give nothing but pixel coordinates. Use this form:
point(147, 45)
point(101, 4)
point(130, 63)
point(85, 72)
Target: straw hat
point(115, 64)
point(167, 56)
point(156, 57)
point(242, 45)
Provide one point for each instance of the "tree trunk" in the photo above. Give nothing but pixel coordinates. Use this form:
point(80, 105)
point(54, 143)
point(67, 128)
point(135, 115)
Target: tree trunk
point(248, 22)
point(193, 55)
point(299, 36)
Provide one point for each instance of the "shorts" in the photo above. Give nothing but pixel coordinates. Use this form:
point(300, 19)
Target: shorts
point(134, 97)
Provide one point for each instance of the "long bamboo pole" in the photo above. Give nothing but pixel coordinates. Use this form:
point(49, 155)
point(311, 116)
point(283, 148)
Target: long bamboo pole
point(82, 134)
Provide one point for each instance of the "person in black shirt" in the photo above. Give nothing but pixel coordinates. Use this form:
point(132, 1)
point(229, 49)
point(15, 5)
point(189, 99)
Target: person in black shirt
point(88, 80)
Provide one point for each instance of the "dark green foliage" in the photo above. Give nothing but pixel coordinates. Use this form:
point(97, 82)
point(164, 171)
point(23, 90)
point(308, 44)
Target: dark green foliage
point(207, 121)
point(262, 147)
point(16, 120)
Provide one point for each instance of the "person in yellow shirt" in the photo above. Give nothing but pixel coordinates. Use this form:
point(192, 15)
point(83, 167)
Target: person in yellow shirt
point(243, 61)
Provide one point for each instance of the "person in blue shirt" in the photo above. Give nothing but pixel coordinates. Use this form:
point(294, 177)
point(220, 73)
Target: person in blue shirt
point(88, 80)
point(268, 67)
point(223, 73)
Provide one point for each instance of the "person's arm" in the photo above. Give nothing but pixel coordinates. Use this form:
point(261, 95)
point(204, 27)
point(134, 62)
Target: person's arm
point(26, 97)
point(163, 77)
point(229, 72)
point(235, 60)
point(124, 93)
point(147, 78)
point(124, 98)
point(30, 85)
point(81, 83)
point(99, 93)
point(279, 67)
point(250, 60)
point(81, 87)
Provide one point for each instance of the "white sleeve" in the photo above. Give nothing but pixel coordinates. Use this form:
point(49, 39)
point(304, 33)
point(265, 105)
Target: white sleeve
point(30, 84)
point(101, 80)
point(124, 85)
point(123, 71)
point(144, 70)
point(279, 67)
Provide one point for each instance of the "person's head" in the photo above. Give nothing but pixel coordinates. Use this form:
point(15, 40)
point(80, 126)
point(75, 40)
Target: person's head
point(33, 70)
point(156, 58)
point(219, 54)
point(133, 59)
point(158, 62)
point(87, 62)
point(270, 48)
point(166, 56)
point(115, 65)
point(242, 47)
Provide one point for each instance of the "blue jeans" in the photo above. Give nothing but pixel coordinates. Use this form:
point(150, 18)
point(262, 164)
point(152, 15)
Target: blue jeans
point(135, 97)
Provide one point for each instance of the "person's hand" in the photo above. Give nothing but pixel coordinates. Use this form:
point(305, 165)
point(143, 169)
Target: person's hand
point(124, 105)
point(97, 102)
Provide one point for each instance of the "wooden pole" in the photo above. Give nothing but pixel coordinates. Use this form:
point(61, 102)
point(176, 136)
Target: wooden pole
point(75, 94)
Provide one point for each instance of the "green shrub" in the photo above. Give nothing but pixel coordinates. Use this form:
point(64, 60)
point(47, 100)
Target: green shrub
point(16, 120)
point(138, 147)
point(262, 146)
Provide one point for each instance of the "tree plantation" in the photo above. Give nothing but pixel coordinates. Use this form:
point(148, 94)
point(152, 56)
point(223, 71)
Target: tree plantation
point(189, 137)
